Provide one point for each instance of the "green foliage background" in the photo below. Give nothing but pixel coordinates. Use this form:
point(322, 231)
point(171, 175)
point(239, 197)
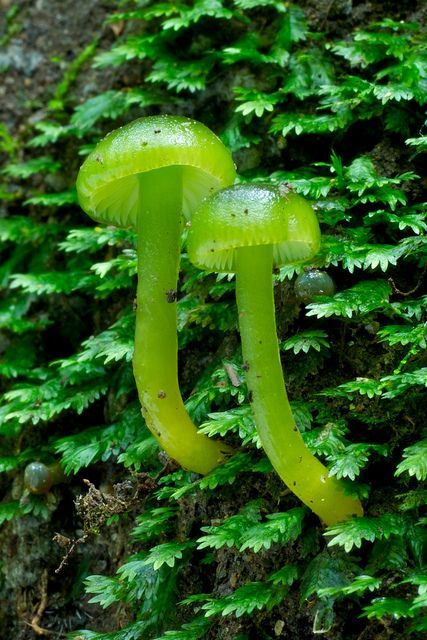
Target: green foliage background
point(338, 117)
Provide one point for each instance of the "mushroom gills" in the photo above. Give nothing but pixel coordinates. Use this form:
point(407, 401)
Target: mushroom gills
point(118, 201)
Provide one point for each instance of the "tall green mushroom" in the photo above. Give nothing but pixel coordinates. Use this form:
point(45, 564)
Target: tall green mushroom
point(147, 175)
point(247, 230)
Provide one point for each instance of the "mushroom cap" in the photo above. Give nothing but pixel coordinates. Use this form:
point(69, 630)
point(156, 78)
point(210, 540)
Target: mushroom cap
point(37, 477)
point(249, 215)
point(312, 283)
point(108, 186)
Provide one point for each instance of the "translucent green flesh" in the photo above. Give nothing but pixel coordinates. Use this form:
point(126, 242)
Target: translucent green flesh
point(117, 202)
point(217, 259)
point(155, 357)
point(305, 476)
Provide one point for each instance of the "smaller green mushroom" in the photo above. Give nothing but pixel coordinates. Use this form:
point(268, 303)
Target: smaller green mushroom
point(247, 230)
point(39, 478)
point(150, 175)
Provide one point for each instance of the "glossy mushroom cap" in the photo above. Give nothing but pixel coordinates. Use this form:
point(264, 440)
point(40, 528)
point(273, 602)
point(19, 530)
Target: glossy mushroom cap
point(312, 283)
point(37, 477)
point(107, 184)
point(250, 215)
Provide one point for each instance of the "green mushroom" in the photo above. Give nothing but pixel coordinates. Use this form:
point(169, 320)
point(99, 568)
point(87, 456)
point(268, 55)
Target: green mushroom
point(248, 230)
point(149, 175)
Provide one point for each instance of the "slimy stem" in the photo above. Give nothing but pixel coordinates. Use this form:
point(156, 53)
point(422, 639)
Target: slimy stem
point(305, 476)
point(155, 362)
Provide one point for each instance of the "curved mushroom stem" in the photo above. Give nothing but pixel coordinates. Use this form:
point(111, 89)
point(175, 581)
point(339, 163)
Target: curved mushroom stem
point(156, 346)
point(305, 476)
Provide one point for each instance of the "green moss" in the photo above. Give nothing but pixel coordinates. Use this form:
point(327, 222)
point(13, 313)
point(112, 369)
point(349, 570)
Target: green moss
point(339, 119)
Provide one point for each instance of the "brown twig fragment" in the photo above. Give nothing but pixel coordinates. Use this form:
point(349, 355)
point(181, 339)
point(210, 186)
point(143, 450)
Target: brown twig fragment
point(95, 507)
point(231, 372)
point(71, 543)
point(35, 622)
point(411, 291)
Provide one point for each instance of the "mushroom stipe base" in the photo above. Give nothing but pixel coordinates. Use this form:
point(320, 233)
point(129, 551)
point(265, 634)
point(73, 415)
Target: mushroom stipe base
point(304, 474)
